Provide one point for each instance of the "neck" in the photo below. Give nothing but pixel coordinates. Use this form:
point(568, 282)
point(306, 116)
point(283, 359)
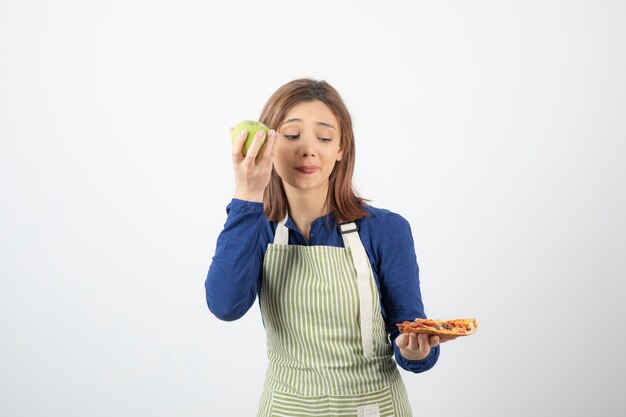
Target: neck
point(306, 206)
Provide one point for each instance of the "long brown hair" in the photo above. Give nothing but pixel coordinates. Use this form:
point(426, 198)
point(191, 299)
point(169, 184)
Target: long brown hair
point(342, 199)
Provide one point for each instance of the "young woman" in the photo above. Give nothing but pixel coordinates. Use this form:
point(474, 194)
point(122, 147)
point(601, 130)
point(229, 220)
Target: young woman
point(333, 274)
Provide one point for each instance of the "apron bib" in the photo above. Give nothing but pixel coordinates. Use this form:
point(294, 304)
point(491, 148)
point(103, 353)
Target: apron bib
point(327, 346)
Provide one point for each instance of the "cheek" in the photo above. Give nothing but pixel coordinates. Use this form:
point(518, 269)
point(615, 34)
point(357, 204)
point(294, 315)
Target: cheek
point(331, 166)
point(332, 154)
point(281, 149)
point(280, 159)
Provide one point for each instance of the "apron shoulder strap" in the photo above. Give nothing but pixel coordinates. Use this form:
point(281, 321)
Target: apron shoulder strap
point(351, 240)
point(281, 237)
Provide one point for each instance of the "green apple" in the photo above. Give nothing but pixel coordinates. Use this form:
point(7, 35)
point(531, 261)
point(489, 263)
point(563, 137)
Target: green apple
point(251, 127)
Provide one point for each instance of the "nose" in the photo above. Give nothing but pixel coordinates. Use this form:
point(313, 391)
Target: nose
point(308, 145)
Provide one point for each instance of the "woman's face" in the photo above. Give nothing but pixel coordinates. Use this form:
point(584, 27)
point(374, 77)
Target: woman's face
point(307, 146)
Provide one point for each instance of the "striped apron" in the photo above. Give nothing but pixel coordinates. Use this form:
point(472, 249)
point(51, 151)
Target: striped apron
point(327, 346)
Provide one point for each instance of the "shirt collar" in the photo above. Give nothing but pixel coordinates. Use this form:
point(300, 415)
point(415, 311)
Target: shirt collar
point(316, 224)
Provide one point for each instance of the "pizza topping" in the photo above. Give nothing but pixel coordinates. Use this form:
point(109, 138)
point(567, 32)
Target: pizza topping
point(459, 327)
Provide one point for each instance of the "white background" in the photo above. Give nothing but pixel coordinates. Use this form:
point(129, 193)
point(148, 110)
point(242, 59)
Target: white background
point(496, 128)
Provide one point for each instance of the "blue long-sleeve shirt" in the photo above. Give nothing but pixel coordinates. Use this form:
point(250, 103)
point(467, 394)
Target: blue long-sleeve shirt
point(234, 277)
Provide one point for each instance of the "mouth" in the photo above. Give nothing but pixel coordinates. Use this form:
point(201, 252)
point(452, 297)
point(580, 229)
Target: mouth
point(307, 169)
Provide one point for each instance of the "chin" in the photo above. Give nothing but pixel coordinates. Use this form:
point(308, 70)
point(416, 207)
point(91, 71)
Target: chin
point(307, 185)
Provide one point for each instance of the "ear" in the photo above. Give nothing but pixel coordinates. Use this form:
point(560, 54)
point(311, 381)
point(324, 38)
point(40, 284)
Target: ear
point(339, 154)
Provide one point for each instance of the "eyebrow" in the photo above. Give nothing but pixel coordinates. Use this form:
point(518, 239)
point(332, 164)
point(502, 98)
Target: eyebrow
point(295, 119)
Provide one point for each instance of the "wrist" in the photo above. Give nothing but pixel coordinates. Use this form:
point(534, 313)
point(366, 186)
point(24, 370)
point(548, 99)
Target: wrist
point(247, 196)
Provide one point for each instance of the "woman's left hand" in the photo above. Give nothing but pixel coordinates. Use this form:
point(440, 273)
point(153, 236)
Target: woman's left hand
point(415, 347)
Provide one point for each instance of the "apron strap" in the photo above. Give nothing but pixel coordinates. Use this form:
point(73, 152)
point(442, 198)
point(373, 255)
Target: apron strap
point(351, 239)
point(281, 237)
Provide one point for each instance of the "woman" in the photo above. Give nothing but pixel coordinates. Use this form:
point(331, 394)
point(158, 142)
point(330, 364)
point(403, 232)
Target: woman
point(333, 274)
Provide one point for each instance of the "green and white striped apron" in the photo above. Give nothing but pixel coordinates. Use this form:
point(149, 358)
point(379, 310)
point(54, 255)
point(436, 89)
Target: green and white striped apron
point(327, 345)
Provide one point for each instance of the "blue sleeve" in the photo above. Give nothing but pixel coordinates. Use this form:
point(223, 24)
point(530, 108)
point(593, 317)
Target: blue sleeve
point(233, 280)
point(400, 286)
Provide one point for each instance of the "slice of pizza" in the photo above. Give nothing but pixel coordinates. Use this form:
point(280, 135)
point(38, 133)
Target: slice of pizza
point(457, 327)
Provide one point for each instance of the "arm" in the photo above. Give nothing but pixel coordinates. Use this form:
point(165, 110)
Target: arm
point(233, 280)
point(400, 288)
point(234, 275)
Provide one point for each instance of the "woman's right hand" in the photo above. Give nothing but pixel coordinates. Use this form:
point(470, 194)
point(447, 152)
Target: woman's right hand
point(252, 174)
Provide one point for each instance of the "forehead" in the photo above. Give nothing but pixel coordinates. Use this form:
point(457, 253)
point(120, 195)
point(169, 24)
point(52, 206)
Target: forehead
point(312, 112)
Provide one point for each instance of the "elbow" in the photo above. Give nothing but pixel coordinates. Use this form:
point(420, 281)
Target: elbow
point(227, 306)
point(228, 299)
point(225, 312)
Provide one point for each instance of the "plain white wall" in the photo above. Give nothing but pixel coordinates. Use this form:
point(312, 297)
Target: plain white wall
point(496, 128)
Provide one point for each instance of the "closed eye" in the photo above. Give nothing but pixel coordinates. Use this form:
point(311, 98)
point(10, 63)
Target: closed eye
point(294, 137)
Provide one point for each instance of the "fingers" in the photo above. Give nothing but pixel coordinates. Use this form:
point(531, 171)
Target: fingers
point(412, 341)
point(403, 340)
point(433, 341)
point(421, 341)
point(258, 148)
point(424, 345)
point(416, 340)
point(253, 150)
point(413, 346)
point(238, 146)
point(269, 151)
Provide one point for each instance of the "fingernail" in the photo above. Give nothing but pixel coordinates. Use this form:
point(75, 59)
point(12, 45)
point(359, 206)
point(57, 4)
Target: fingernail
point(243, 132)
point(261, 133)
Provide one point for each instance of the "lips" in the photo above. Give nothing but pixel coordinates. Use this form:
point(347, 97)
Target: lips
point(307, 169)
